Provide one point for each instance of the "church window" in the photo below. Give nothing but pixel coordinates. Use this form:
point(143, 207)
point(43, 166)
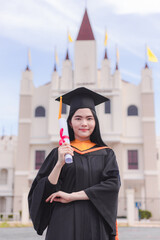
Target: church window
point(107, 107)
point(64, 108)
point(132, 159)
point(3, 176)
point(132, 110)
point(40, 111)
point(39, 158)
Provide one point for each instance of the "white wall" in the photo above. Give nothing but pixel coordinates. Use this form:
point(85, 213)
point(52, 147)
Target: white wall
point(131, 96)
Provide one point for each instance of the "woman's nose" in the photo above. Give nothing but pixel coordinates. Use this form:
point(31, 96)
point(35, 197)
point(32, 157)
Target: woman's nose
point(84, 122)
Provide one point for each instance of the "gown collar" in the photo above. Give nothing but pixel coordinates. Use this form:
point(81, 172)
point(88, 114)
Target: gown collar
point(82, 145)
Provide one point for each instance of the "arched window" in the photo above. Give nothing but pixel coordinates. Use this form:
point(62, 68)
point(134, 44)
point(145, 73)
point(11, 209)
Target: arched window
point(107, 106)
point(40, 111)
point(3, 176)
point(132, 110)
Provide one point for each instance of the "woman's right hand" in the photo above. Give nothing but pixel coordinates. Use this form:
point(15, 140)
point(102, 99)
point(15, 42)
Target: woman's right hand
point(64, 149)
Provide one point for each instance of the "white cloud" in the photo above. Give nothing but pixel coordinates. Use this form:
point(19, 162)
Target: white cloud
point(36, 23)
point(130, 74)
point(65, 9)
point(134, 6)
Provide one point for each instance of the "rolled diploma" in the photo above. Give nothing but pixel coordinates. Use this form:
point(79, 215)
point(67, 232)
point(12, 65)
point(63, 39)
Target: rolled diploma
point(63, 124)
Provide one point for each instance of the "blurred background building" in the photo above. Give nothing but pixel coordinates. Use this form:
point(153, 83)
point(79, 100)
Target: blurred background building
point(8, 147)
point(127, 125)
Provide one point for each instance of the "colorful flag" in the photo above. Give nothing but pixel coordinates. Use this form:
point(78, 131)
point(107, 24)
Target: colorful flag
point(106, 38)
point(69, 37)
point(151, 56)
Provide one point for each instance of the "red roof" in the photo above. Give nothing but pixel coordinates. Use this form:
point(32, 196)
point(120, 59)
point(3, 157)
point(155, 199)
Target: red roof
point(85, 32)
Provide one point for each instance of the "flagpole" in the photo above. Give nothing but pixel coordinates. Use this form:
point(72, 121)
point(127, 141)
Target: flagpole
point(105, 45)
point(85, 4)
point(27, 57)
point(55, 56)
point(116, 54)
point(146, 53)
point(67, 38)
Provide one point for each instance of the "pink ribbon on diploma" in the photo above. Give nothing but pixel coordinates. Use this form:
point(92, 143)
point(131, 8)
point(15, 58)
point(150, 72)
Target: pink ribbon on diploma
point(62, 137)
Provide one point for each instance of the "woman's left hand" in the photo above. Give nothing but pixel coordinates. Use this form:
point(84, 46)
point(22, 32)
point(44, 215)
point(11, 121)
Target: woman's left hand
point(60, 196)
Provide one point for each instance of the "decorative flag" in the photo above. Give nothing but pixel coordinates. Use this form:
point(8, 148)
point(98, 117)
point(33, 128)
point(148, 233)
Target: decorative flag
point(106, 38)
point(56, 56)
point(69, 37)
point(151, 56)
point(29, 57)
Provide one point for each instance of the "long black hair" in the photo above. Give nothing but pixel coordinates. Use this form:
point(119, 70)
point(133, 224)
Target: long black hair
point(95, 136)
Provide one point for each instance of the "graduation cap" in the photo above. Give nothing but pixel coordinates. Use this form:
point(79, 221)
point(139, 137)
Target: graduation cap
point(82, 98)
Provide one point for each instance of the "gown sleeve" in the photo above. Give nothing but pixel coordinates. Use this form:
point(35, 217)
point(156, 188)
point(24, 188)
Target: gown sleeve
point(104, 195)
point(40, 211)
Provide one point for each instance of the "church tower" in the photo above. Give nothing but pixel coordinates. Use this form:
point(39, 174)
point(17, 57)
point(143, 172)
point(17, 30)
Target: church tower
point(105, 81)
point(85, 55)
point(149, 142)
point(55, 80)
point(66, 82)
point(23, 151)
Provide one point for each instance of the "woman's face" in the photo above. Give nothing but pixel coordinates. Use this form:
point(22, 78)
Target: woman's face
point(83, 124)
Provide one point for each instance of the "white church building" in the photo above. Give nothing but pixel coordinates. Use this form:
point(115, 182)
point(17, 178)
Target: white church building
point(127, 123)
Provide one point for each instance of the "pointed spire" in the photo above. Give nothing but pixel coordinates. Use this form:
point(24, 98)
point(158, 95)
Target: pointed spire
point(27, 68)
point(28, 60)
point(117, 57)
point(67, 55)
point(146, 65)
point(55, 68)
point(116, 65)
point(85, 31)
point(3, 133)
point(105, 55)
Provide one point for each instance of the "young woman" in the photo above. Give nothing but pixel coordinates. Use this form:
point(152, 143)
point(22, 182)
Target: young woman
point(78, 201)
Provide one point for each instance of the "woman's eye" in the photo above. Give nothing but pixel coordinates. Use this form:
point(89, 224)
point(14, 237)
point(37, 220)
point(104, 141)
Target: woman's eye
point(90, 119)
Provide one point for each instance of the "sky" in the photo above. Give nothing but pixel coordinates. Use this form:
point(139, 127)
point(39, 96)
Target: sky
point(42, 25)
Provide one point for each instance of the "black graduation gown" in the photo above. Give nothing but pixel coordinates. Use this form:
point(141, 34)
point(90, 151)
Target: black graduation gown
point(94, 171)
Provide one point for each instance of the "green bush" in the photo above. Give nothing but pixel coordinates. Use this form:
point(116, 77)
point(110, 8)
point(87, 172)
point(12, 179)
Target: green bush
point(144, 214)
point(148, 214)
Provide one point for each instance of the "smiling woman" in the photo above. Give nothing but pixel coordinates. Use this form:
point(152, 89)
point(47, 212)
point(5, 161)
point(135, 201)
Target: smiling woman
point(83, 124)
point(78, 200)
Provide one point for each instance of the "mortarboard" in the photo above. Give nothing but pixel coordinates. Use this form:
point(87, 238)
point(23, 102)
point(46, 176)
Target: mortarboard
point(82, 98)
